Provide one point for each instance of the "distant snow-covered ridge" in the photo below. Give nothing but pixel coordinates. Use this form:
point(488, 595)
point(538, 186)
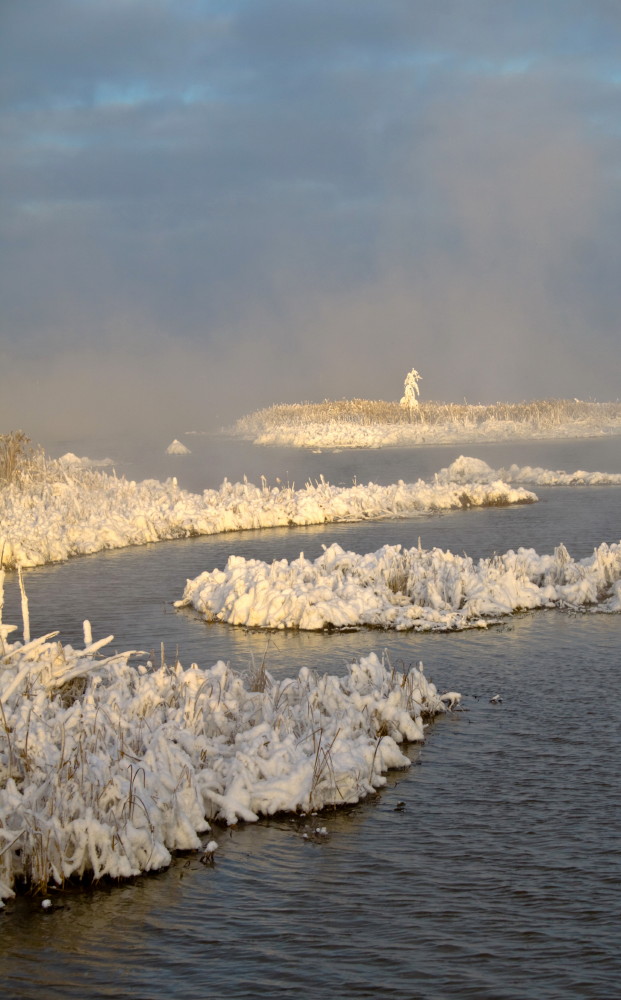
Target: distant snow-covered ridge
point(396, 588)
point(85, 511)
point(342, 434)
point(107, 766)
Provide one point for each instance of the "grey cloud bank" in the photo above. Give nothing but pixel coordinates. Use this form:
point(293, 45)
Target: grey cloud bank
point(209, 207)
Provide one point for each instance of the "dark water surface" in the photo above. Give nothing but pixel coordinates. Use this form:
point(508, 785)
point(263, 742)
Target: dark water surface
point(490, 869)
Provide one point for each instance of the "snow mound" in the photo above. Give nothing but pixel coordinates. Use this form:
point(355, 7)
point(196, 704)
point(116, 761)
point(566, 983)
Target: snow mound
point(468, 470)
point(72, 461)
point(107, 766)
point(177, 448)
point(396, 588)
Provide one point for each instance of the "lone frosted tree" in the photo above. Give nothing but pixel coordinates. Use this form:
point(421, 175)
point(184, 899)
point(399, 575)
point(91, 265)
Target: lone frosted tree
point(411, 390)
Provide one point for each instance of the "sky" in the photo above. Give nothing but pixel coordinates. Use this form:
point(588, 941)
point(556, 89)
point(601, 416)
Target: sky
point(207, 207)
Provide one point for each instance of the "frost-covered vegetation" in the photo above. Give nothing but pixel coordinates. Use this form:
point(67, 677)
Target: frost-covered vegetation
point(376, 423)
point(421, 589)
point(57, 509)
point(475, 470)
point(18, 459)
point(411, 390)
point(107, 766)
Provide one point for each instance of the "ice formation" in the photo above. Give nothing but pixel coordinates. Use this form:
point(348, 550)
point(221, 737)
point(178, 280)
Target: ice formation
point(397, 588)
point(177, 448)
point(87, 511)
point(107, 766)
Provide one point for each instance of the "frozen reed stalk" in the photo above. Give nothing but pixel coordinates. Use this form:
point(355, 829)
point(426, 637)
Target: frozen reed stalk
point(88, 633)
point(2, 646)
point(25, 612)
point(113, 766)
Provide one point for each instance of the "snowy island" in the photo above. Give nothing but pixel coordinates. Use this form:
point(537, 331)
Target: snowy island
point(363, 423)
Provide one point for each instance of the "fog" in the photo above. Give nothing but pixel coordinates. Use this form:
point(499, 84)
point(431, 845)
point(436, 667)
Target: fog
point(208, 208)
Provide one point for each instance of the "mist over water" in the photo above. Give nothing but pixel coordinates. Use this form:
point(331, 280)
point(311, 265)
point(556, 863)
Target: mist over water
point(216, 212)
point(215, 457)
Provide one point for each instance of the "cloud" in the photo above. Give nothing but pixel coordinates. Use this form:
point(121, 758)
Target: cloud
point(220, 205)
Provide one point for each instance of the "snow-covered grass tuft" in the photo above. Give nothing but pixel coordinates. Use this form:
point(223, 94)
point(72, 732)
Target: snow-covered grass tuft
point(107, 766)
point(397, 588)
point(18, 459)
point(365, 423)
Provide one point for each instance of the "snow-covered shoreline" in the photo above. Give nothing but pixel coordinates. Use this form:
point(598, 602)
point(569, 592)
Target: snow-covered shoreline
point(87, 511)
point(342, 434)
point(107, 766)
point(78, 510)
point(397, 588)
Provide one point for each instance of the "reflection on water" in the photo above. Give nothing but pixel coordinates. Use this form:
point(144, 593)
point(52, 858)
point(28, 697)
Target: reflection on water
point(489, 869)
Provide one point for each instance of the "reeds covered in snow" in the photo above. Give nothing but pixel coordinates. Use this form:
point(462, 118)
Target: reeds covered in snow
point(371, 423)
point(107, 766)
point(60, 509)
point(18, 459)
point(421, 589)
point(538, 412)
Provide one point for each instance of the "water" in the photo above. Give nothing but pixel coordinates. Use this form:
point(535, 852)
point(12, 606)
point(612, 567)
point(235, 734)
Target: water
point(490, 869)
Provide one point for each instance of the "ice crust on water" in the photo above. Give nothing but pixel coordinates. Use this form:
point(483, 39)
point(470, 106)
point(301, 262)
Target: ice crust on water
point(106, 766)
point(86, 511)
point(397, 588)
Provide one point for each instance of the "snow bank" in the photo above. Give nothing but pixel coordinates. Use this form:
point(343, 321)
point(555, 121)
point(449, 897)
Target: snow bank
point(177, 448)
point(425, 590)
point(107, 766)
point(87, 511)
point(469, 470)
